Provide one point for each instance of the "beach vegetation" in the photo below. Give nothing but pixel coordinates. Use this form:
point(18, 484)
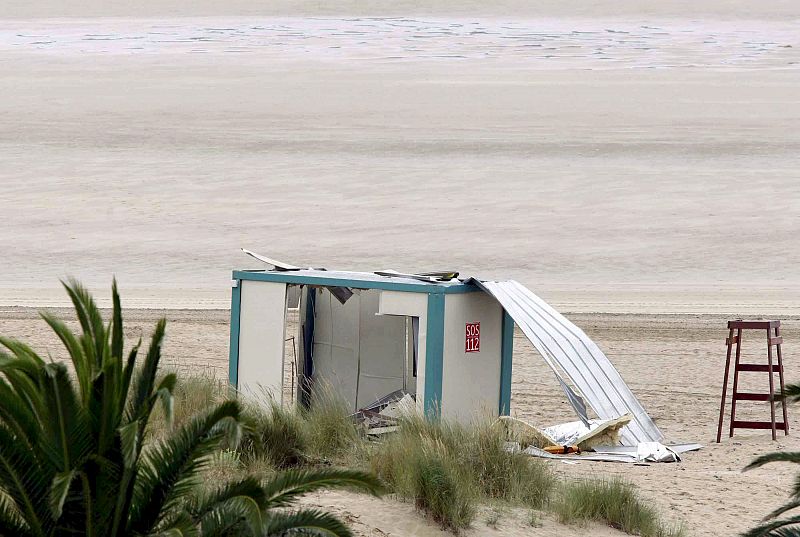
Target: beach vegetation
point(418, 464)
point(331, 434)
point(273, 433)
point(472, 459)
point(507, 475)
point(496, 514)
point(534, 519)
point(77, 456)
point(244, 449)
point(772, 525)
point(612, 502)
point(447, 470)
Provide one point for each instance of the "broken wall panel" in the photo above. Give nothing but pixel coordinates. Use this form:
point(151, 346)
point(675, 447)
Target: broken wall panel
point(359, 353)
point(566, 347)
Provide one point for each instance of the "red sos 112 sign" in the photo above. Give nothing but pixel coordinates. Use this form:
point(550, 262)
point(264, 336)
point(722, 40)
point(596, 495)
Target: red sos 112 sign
point(472, 341)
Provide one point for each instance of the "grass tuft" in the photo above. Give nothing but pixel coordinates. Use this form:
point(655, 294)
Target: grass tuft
point(444, 468)
point(428, 450)
point(273, 434)
point(534, 519)
point(331, 434)
point(513, 477)
point(495, 514)
point(443, 489)
point(613, 502)
point(193, 395)
point(418, 464)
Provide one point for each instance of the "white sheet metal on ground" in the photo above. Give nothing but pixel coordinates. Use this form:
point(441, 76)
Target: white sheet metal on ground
point(565, 347)
point(643, 453)
point(601, 457)
point(630, 450)
point(575, 433)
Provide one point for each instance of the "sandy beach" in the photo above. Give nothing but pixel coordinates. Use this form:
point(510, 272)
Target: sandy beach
point(637, 166)
point(672, 362)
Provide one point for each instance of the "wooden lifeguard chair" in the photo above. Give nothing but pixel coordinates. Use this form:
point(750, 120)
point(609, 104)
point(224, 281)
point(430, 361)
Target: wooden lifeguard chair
point(774, 339)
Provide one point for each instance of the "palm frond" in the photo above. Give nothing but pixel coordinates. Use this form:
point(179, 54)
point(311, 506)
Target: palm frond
point(793, 531)
point(24, 376)
point(24, 482)
point(791, 393)
point(796, 487)
point(127, 376)
point(776, 528)
point(130, 443)
point(22, 352)
point(249, 486)
point(164, 393)
point(180, 525)
point(225, 520)
point(18, 415)
point(103, 408)
point(289, 485)
point(778, 456)
point(783, 508)
point(66, 437)
point(233, 517)
point(168, 471)
point(58, 491)
point(230, 505)
point(11, 523)
point(94, 337)
point(305, 522)
point(146, 377)
point(117, 333)
point(74, 348)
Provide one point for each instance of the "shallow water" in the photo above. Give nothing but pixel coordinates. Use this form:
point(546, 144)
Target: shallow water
point(543, 43)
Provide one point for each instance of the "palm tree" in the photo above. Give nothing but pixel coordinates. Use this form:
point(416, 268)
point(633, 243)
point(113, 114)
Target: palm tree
point(772, 526)
point(75, 457)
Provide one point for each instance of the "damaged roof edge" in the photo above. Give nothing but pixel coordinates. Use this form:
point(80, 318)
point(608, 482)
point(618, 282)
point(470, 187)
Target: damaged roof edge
point(355, 280)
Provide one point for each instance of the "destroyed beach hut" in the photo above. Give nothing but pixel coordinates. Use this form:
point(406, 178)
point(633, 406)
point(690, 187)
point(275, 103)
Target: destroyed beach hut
point(447, 342)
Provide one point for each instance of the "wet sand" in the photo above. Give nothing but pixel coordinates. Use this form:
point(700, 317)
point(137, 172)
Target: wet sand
point(612, 164)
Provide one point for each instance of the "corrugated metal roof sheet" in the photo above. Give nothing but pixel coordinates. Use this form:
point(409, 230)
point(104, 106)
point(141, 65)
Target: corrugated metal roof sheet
point(566, 346)
point(348, 278)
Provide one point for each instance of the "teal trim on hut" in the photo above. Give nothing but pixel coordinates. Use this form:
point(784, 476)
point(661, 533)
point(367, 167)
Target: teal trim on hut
point(434, 355)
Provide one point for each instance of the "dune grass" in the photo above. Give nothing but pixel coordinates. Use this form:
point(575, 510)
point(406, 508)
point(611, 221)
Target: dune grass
point(441, 487)
point(613, 502)
point(192, 395)
point(447, 470)
point(331, 434)
point(274, 433)
point(418, 465)
point(513, 477)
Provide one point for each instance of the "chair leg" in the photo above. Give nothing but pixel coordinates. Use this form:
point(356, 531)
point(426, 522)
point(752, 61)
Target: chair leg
point(735, 377)
point(725, 385)
point(771, 386)
point(783, 386)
